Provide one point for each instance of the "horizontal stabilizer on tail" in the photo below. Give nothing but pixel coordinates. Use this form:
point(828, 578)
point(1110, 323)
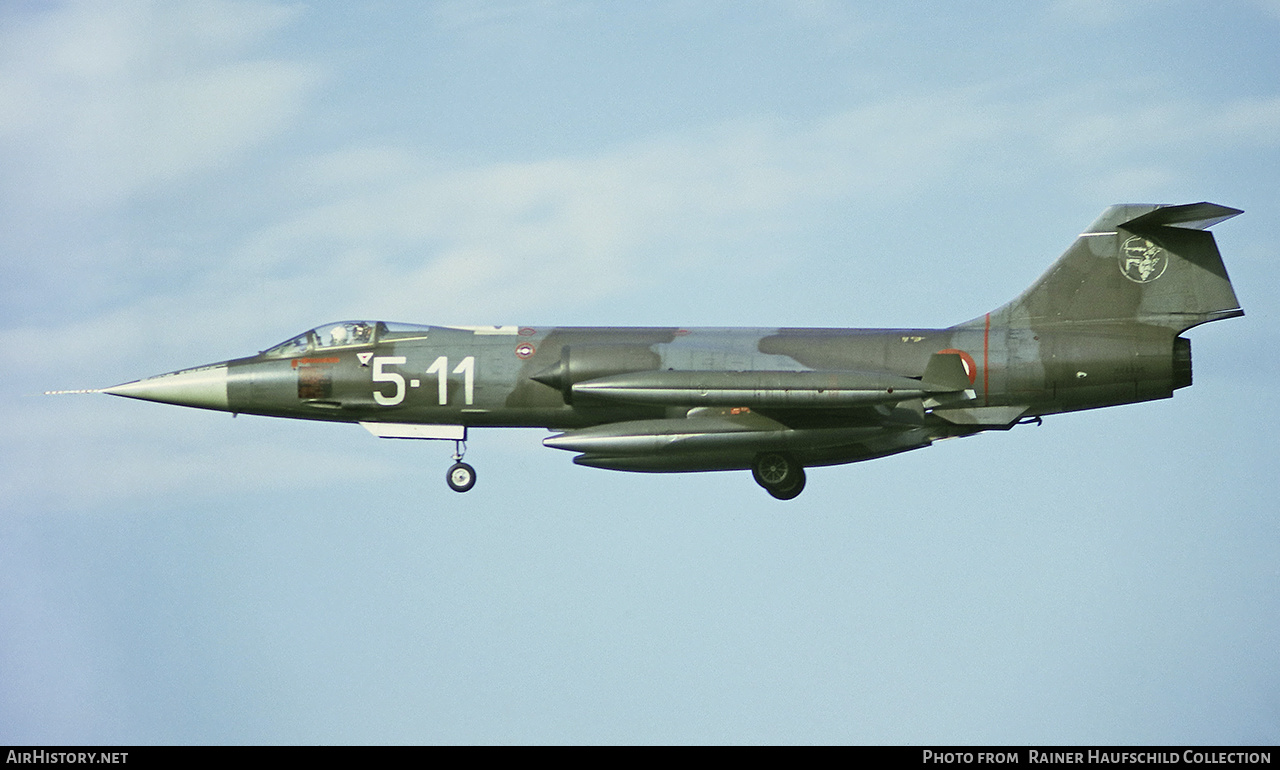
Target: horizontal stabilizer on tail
point(983, 416)
point(1195, 216)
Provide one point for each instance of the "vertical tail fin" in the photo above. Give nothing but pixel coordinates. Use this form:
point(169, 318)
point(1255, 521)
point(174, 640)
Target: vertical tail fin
point(1147, 264)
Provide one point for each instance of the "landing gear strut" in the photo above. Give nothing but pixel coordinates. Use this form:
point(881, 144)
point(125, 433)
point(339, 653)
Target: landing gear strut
point(779, 474)
point(460, 476)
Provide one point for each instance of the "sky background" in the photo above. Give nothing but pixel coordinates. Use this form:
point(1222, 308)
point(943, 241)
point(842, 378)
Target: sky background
point(187, 182)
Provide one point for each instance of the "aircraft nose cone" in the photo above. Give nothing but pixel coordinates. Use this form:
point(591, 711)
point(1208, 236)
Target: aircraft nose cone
point(204, 387)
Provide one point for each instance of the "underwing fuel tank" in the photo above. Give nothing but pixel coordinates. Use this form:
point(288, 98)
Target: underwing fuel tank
point(711, 444)
point(697, 434)
point(756, 389)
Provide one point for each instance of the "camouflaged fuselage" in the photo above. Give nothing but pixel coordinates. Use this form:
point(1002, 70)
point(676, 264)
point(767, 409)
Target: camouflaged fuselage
point(1101, 327)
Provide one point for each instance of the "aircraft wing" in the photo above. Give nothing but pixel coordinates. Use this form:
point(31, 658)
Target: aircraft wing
point(821, 417)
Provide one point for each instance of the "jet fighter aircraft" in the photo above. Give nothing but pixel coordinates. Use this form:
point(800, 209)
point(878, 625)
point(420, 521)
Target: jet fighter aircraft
point(1102, 327)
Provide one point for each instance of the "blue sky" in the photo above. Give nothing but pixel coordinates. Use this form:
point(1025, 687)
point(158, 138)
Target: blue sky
point(186, 182)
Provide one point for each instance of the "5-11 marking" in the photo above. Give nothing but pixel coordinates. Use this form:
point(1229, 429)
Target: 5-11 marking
point(439, 367)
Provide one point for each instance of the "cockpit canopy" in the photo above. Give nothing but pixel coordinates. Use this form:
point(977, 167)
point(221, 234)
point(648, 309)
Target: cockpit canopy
point(345, 334)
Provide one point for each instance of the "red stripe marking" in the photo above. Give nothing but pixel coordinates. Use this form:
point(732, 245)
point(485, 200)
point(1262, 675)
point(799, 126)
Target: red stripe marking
point(300, 361)
point(986, 339)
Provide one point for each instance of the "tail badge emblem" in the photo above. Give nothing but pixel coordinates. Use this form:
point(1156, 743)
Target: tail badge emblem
point(1141, 261)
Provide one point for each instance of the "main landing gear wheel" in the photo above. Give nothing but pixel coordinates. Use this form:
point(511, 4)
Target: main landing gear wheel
point(461, 477)
point(779, 474)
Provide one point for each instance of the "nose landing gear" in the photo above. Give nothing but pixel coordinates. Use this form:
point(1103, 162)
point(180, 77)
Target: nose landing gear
point(460, 476)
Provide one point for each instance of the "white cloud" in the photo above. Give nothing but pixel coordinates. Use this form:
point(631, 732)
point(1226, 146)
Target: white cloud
point(390, 232)
point(1256, 121)
point(505, 237)
point(1120, 127)
point(102, 101)
point(485, 243)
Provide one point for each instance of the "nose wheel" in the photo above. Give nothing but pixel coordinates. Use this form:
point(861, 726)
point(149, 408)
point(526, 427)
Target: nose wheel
point(460, 476)
point(779, 474)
